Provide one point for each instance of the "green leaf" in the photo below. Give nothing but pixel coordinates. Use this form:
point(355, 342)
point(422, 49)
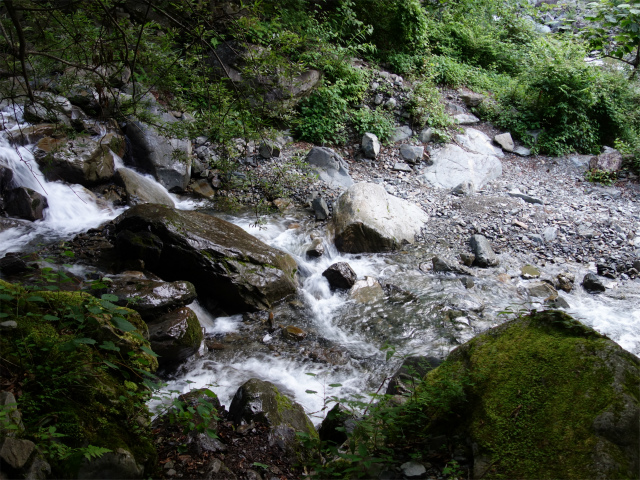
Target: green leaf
point(334, 385)
point(35, 298)
point(6, 297)
point(50, 318)
point(109, 364)
point(109, 297)
point(122, 324)
point(149, 351)
point(109, 346)
point(311, 392)
point(84, 341)
point(95, 310)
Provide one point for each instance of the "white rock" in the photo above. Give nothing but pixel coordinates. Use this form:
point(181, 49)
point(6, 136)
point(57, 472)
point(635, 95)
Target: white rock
point(452, 166)
point(465, 119)
point(478, 142)
point(505, 141)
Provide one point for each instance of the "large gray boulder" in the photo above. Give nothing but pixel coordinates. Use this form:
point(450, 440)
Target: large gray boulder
point(330, 167)
point(478, 142)
point(167, 159)
point(140, 189)
point(257, 400)
point(25, 203)
point(48, 108)
point(84, 160)
point(368, 219)
point(451, 166)
point(175, 336)
point(229, 268)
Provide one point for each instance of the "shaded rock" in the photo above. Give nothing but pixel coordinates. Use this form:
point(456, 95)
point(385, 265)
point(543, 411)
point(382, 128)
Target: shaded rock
point(257, 400)
point(505, 141)
point(367, 290)
point(6, 180)
point(13, 264)
point(228, 267)
point(370, 145)
point(443, 264)
point(565, 281)
point(316, 249)
point(269, 150)
point(48, 108)
point(38, 470)
point(465, 188)
point(610, 160)
point(30, 134)
point(25, 203)
point(413, 470)
point(83, 160)
point(175, 336)
point(12, 421)
point(202, 187)
point(368, 219)
point(15, 453)
point(152, 298)
point(467, 258)
point(410, 374)
point(337, 425)
point(293, 333)
point(485, 256)
point(216, 470)
point(426, 135)
point(320, 208)
point(116, 465)
point(592, 283)
point(167, 159)
point(452, 166)
point(340, 275)
point(542, 353)
point(400, 133)
point(140, 189)
point(411, 154)
point(330, 167)
point(522, 151)
point(472, 99)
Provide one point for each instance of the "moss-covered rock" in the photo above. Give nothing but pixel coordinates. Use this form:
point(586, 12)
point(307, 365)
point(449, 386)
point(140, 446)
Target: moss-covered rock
point(257, 400)
point(546, 397)
point(176, 336)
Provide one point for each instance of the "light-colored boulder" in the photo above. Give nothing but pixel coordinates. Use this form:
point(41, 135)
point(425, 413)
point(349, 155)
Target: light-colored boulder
point(426, 135)
point(452, 166)
point(400, 133)
point(465, 119)
point(368, 219)
point(472, 99)
point(140, 189)
point(478, 142)
point(505, 141)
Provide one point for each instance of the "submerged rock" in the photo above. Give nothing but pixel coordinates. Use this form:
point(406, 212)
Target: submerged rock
point(545, 380)
point(368, 219)
point(229, 268)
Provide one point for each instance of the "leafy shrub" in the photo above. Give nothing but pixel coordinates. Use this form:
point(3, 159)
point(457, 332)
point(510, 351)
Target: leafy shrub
point(378, 121)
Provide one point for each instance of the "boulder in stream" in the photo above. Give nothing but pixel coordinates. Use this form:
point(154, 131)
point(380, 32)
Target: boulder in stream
point(140, 189)
point(340, 275)
point(175, 336)
point(485, 256)
point(230, 269)
point(368, 219)
point(25, 203)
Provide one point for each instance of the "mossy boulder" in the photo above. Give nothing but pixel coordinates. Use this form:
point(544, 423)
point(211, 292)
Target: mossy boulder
point(84, 373)
point(545, 397)
point(230, 269)
point(257, 400)
point(176, 336)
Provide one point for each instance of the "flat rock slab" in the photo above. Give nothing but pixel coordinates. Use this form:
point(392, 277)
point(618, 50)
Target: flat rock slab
point(452, 166)
point(465, 119)
point(401, 167)
point(368, 219)
point(330, 167)
point(229, 268)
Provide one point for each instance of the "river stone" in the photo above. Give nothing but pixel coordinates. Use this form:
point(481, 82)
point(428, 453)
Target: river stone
point(202, 187)
point(426, 135)
point(368, 219)
point(330, 167)
point(229, 268)
point(411, 154)
point(6, 180)
point(465, 119)
point(15, 453)
point(293, 333)
point(592, 283)
point(610, 161)
point(167, 159)
point(444, 264)
point(452, 166)
point(257, 400)
point(505, 141)
point(316, 249)
point(152, 298)
point(525, 197)
point(367, 290)
point(565, 281)
point(541, 290)
point(140, 189)
point(84, 160)
point(485, 256)
point(175, 336)
point(119, 464)
point(340, 275)
point(529, 271)
point(370, 145)
point(25, 203)
point(553, 378)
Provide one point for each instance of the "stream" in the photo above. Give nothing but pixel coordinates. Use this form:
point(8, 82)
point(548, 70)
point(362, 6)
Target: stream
point(352, 344)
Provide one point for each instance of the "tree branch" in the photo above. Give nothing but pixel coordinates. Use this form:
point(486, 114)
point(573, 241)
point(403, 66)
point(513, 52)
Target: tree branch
point(23, 45)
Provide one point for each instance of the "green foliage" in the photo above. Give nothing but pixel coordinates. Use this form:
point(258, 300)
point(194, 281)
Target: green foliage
point(605, 177)
point(378, 121)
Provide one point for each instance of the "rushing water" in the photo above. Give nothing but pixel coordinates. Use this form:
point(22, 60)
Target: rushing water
point(418, 312)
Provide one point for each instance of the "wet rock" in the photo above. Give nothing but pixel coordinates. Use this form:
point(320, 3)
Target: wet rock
point(269, 150)
point(467, 258)
point(257, 400)
point(411, 373)
point(541, 290)
point(151, 298)
point(202, 187)
point(444, 264)
point(13, 264)
point(167, 159)
point(25, 203)
point(367, 290)
point(592, 283)
point(48, 108)
point(30, 134)
point(340, 275)
point(451, 165)
point(119, 464)
point(337, 425)
point(330, 167)
point(229, 268)
point(320, 208)
point(368, 219)
point(84, 160)
point(411, 154)
point(370, 146)
point(140, 189)
point(316, 249)
point(505, 141)
point(6, 180)
point(175, 336)
point(565, 281)
point(606, 271)
point(529, 271)
point(293, 333)
point(485, 256)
